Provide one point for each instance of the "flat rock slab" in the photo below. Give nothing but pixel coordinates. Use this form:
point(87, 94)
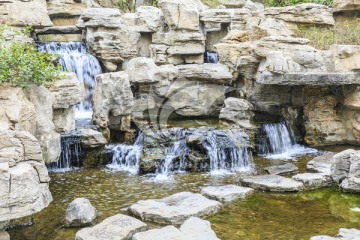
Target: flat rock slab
point(118, 227)
point(282, 169)
point(175, 209)
point(226, 193)
point(192, 229)
point(313, 180)
point(273, 183)
point(321, 164)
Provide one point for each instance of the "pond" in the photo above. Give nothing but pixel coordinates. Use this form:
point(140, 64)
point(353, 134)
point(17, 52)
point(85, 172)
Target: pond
point(261, 216)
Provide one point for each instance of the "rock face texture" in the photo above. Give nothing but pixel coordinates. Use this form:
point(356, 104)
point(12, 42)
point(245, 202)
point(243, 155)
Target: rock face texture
point(25, 13)
point(175, 209)
point(79, 213)
point(344, 233)
point(120, 227)
point(344, 170)
point(23, 176)
point(192, 229)
point(346, 5)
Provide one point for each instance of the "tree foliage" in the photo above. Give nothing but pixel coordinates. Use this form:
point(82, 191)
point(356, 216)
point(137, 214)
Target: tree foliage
point(283, 3)
point(20, 62)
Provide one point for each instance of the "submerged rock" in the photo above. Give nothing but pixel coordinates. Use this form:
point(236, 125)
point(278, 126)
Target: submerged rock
point(345, 170)
point(175, 209)
point(282, 169)
point(227, 193)
point(118, 227)
point(272, 183)
point(79, 213)
point(192, 229)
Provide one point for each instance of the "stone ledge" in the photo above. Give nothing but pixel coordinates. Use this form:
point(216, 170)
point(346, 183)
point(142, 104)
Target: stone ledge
point(313, 79)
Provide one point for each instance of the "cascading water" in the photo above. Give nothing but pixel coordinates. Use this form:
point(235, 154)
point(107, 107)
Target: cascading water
point(127, 157)
point(74, 57)
point(229, 151)
point(177, 150)
point(279, 142)
point(211, 57)
point(70, 154)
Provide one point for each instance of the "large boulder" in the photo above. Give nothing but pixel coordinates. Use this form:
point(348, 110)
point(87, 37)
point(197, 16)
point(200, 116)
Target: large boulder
point(24, 180)
point(145, 19)
point(67, 92)
point(233, 3)
point(25, 13)
point(227, 193)
point(118, 227)
point(80, 213)
point(112, 98)
point(175, 209)
point(65, 8)
point(4, 235)
point(181, 14)
point(344, 170)
point(321, 164)
point(346, 57)
point(238, 112)
point(272, 183)
point(192, 229)
point(313, 180)
point(90, 138)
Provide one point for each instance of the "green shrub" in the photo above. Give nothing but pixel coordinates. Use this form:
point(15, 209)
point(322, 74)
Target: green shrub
point(21, 64)
point(129, 5)
point(283, 3)
point(344, 32)
point(211, 3)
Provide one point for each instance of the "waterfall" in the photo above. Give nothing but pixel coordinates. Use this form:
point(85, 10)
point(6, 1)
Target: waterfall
point(177, 150)
point(127, 157)
point(229, 151)
point(279, 142)
point(211, 57)
point(74, 57)
point(70, 154)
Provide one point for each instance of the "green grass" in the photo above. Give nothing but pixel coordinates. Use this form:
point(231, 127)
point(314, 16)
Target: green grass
point(344, 32)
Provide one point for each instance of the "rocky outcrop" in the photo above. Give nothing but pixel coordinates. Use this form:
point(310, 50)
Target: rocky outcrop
point(23, 176)
point(344, 170)
point(227, 193)
point(90, 138)
point(272, 183)
point(25, 13)
point(120, 227)
point(321, 164)
point(346, 5)
point(192, 229)
point(313, 180)
point(80, 213)
point(303, 13)
point(175, 209)
point(112, 100)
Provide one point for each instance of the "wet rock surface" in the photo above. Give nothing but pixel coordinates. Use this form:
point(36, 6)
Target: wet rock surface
point(227, 193)
point(79, 213)
point(175, 209)
point(282, 169)
point(272, 183)
point(120, 227)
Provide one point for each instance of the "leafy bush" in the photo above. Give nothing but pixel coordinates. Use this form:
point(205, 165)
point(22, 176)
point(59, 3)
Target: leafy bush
point(283, 3)
point(129, 5)
point(21, 64)
point(345, 32)
point(211, 3)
